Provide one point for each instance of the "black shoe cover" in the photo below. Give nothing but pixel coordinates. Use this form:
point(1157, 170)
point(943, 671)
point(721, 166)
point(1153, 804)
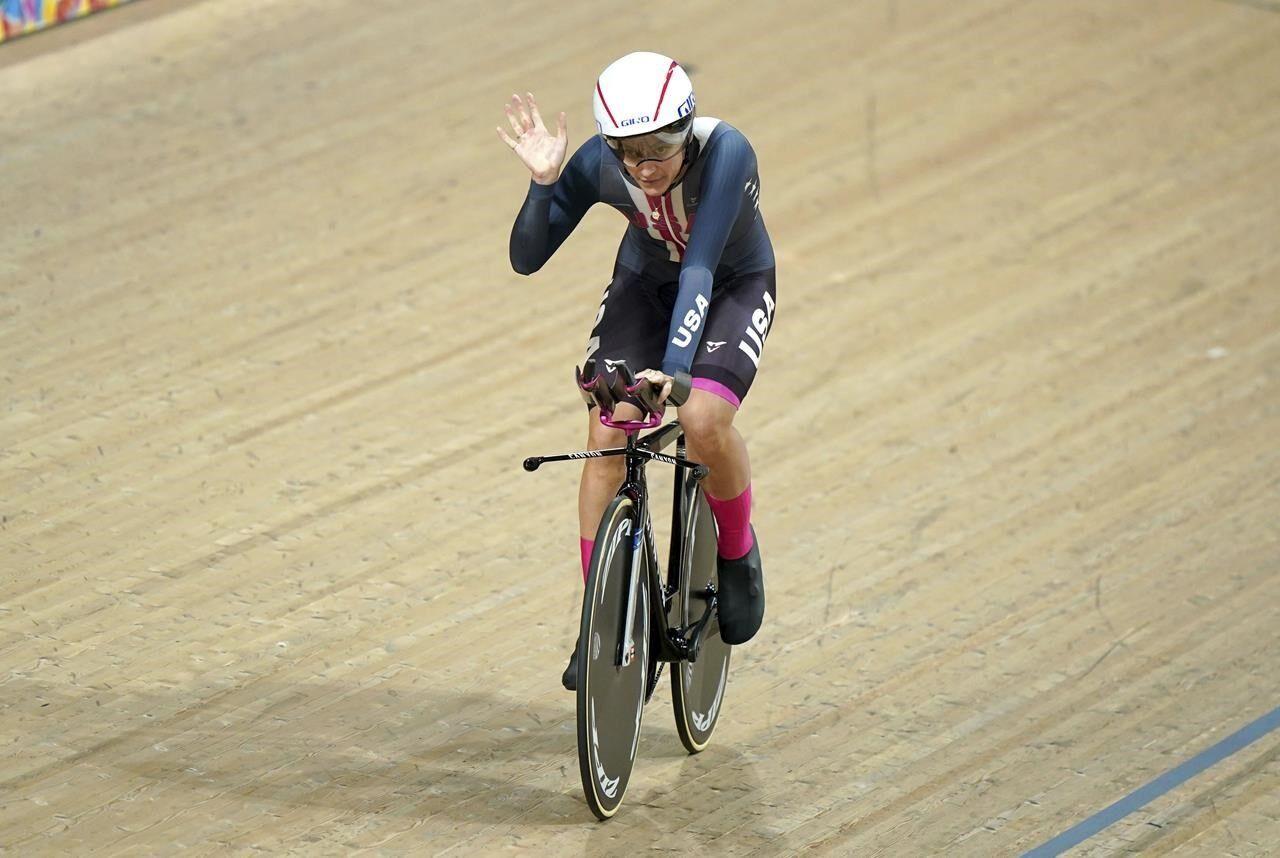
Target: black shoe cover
point(741, 596)
point(570, 678)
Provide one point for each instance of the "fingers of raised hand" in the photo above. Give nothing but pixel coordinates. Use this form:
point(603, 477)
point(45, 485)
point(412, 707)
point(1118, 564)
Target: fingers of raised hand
point(534, 115)
point(517, 117)
point(525, 110)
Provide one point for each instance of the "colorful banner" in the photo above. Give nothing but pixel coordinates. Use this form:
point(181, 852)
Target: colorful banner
point(26, 16)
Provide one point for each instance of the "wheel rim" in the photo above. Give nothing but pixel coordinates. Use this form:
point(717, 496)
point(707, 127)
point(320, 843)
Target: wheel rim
point(699, 687)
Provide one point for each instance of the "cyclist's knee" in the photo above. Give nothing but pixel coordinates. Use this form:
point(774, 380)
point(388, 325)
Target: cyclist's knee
point(600, 437)
point(608, 472)
point(707, 421)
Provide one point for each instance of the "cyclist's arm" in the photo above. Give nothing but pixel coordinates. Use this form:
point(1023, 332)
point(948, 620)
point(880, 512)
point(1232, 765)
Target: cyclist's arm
point(550, 212)
point(724, 181)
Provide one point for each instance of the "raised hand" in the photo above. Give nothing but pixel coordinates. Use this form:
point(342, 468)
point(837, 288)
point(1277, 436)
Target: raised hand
point(541, 152)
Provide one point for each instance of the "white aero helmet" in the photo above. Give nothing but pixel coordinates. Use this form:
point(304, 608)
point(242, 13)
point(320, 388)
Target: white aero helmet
point(644, 107)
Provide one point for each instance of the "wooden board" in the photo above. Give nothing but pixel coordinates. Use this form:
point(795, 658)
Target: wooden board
point(271, 578)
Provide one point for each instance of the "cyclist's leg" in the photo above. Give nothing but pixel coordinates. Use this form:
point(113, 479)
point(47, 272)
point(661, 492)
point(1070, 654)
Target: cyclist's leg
point(738, 323)
point(600, 481)
point(707, 419)
point(630, 327)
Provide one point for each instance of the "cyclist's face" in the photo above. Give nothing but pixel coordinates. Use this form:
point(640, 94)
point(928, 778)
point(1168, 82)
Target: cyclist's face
point(655, 177)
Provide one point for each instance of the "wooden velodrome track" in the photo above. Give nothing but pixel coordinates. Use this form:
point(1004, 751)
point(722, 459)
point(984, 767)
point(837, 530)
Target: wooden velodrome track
point(273, 580)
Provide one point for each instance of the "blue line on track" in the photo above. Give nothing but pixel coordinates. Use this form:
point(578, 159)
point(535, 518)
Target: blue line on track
point(1077, 834)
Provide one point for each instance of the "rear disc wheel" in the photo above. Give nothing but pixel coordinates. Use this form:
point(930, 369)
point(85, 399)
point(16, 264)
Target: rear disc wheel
point(697, 687)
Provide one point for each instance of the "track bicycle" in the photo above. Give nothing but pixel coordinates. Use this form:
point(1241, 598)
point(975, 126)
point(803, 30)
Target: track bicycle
point(632, 621)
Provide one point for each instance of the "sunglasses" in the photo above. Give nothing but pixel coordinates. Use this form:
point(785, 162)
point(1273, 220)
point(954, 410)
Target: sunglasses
point(661, 145)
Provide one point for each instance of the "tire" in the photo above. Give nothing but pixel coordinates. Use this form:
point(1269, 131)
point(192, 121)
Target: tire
point(697, 687)
point(611, 698)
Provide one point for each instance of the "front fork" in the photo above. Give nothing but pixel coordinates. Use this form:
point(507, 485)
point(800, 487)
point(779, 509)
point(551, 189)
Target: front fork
point(628, 644)
point(641, 540)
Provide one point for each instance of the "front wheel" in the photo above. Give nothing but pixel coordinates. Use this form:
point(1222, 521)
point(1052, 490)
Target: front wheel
point(611, 696)
point(697, 687)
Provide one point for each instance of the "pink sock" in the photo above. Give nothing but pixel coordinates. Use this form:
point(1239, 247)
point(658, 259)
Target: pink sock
point(587, 545)
point(733, 520)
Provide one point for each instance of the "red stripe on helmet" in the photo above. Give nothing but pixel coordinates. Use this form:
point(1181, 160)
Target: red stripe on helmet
point(663, 94)
point(600, 92)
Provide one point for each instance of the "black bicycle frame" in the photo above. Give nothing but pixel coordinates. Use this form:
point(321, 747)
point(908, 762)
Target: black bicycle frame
point(674, 645)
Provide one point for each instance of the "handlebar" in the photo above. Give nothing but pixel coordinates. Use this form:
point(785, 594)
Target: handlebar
point(620, 386)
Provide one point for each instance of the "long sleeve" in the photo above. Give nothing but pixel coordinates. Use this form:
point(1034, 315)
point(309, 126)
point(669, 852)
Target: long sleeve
point(724, 192)
point(551, 212)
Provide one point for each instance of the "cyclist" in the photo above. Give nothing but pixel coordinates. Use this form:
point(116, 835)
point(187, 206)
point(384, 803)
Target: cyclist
point(692, 298)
